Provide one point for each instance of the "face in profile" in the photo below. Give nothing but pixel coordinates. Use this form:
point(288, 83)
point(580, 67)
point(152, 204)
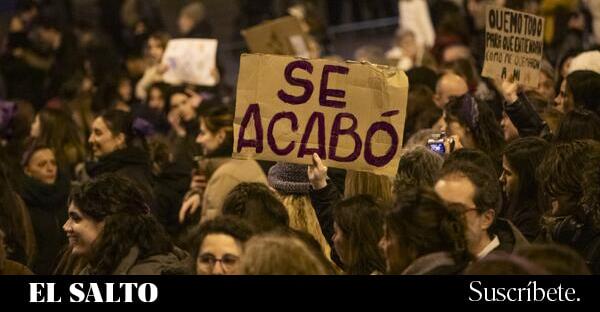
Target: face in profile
point(102, 140)
point(209, 141)
point(509, 180)
point(219, 254)
point(82, 231)
point(508, 128)
point(339, 242)
point(396, 259)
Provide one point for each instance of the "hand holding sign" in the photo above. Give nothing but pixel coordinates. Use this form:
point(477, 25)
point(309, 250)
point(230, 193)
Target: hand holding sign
point(510, 90)
point(317, 173)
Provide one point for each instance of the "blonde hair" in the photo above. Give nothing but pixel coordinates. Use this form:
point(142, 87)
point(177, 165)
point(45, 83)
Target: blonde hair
point(303, 218)
point(378, 186)
point(272, 254)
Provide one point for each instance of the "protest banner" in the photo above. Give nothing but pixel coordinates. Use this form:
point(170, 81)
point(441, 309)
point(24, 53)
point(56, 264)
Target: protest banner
point(191, 60)
point(282, 36)
point(513, 45)
point(351, 114)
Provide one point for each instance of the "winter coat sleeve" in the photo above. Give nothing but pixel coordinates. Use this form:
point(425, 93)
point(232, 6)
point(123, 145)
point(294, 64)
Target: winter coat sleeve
point(323, 200)
point(525, 118)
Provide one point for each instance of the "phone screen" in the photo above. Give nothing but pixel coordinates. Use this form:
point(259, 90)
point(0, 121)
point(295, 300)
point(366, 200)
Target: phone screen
point(437, 147)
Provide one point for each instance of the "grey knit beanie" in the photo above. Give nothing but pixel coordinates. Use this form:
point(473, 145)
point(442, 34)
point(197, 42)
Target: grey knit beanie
point(289, 178)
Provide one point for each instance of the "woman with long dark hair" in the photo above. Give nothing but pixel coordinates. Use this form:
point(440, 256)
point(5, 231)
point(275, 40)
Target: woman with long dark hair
point(57, 130)
point(358, 227)
point(423, 236)
point(474, 125)
point(519, 185)
point(15, 222)
point(111, 227)
point(118, 146)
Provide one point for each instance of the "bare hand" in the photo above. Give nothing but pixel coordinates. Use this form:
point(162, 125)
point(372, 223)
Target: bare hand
point(509, 90)
point(194, 99)
point(317, 173)
point(189, 207)
point(174, 118)
point(457, 144)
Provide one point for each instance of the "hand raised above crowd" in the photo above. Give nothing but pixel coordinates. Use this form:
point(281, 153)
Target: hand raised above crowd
point(509, 90)
point(317, 173)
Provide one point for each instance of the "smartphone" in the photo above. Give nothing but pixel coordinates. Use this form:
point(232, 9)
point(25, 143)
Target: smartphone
point(437, 143)
point(437, 146)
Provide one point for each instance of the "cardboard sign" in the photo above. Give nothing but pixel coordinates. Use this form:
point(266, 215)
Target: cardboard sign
point(283, 36)
point(191, 60)
point(514, 45)
point(351, 114)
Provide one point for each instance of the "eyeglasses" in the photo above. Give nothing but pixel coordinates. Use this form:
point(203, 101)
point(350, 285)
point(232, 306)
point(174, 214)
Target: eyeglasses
point(463, 209)
point(227, 262)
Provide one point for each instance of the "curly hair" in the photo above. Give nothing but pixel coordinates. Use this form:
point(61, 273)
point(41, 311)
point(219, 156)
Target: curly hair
point(579, 124)
point(421, 223)
point(228, 225)
point(127, 221)
point(361, 220)
point(418, 166)
point(255, 203)
point(574, 169)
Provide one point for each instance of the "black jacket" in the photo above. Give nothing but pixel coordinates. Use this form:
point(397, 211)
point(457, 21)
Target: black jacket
point(527, 218)
point(48, 210)
point(132, 163)
point(589, 247)
point(526, 119)
point(510, 237)
point(323, 201)
point(170, 188)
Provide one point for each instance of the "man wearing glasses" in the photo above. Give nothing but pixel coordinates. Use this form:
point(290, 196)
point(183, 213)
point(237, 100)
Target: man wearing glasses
point(476, 194)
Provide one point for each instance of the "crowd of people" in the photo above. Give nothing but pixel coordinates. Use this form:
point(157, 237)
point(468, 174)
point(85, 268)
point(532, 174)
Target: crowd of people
point(106, 169)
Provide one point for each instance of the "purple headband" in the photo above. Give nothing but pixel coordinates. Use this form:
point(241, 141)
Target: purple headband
point(469, 111)
point(142, 127)
point(8, 110)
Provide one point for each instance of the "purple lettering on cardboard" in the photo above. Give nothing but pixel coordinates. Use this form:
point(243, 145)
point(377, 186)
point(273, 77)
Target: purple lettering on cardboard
point(253, 112)
point(380, 161)
point(305, 83)
point(271, 139)
point(390, 113)
point(320, 150)
point(336, 131)
point(324, 93)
